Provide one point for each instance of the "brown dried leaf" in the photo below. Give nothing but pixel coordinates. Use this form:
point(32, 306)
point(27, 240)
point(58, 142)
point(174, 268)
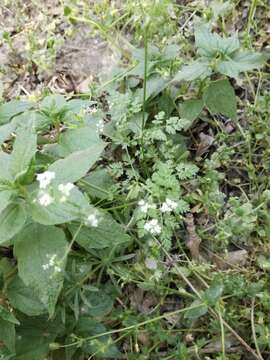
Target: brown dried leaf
point(193, 240)
point(232, 259)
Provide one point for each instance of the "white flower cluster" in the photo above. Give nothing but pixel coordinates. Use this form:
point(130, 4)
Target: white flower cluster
point(52, 264)
point(168, 206)
point(144, 206)
point(153, 227)
point(91, 220)
point(65, 189)
point(100, 126)
point(45, 179)
point(44, 197)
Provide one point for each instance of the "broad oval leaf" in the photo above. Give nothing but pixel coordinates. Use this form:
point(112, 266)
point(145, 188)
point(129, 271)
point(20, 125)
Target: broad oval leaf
point(59, 212)
point(199, 69)
point(191, 109)
point(107, 234)
point(4, 166)
point(12, 108)
point(5, 196)
point(23, 150)
point(12, 220)
point(7, 336)
point(24, 298)
point(5, 131)
point(220, 98)
point(43, 267)
point(76, 165)
point(242, 61)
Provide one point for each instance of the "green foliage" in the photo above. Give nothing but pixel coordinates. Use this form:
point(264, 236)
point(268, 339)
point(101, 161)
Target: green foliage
point(43, 268)
point(219, 54)
point(131, 217)
point(220, 98)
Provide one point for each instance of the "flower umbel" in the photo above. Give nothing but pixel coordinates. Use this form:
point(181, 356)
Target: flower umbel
point(65, 189)
point(144, 206)
point(168, 205)
point(45, 179)
point(91, 220)
point(45, 199)
point(52, 264)
point(153, 227)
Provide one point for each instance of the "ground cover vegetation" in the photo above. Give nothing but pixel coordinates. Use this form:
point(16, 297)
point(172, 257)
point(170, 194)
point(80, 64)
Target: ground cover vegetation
point(134, 201)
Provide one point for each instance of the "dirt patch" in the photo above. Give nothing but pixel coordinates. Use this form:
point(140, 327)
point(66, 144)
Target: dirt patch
point(73, 64)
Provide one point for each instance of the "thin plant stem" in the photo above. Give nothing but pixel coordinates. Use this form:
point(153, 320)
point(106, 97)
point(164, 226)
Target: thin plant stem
point(131, 327)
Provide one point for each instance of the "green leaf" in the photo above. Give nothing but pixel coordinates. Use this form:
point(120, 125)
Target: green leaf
point(12, 108)
point(12, 219)
point(97, 304)
point(191, 109)
point(242, 61)
point(7, 334)
point(23, 150)
point(76, 165)
point(205, 41)
point(209, 44)
point(6, 315)
point(4, 166)
point(46, 243)
point(78, 139)
point(107, 234)
point(34, 337)
point(199, 69)
point(5, 131)
point(5, 196)
point(59, 212)
point(219, 97)
point(24, 298)
point(98, 184)
point(103, 347)
point(213, 294)
point(53, 102)
point(197, 312)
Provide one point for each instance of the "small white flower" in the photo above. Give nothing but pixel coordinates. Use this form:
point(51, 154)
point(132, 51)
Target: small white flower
point(45, 179)
point(65, 189)
point(52, 260)
point(153, 227)
point(144, 206)
point(45, 199)
point(57, 269)
point(100, 126)
point(52, 263)
point(168, 206)
point(91, 220)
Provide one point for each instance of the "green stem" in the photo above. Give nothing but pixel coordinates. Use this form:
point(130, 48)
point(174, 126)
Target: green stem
point(131, 327)
point(251, 14)
point(145, 76)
